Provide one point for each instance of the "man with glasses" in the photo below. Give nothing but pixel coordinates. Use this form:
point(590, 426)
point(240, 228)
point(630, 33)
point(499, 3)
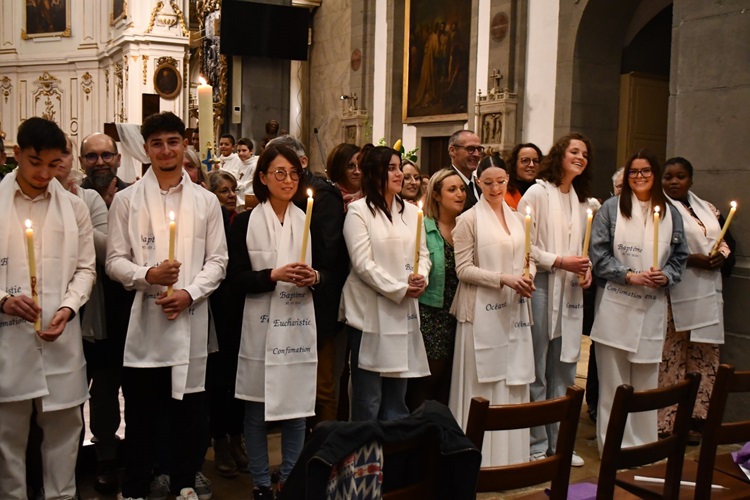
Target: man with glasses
point(100, 160)
point(465, 151)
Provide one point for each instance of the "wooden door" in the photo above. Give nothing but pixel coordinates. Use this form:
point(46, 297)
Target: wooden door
point(644, 101)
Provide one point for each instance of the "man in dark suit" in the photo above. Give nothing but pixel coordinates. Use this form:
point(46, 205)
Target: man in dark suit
point(465, 150)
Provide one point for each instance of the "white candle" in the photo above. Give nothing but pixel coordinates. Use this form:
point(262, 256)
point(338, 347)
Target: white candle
point(308, 219)
point(656, 237)
point(586, 239)
point(726, 226)
point(420, 214)
point(172, 233)
point(205, 117)
point(527, 249)
point(32, 271)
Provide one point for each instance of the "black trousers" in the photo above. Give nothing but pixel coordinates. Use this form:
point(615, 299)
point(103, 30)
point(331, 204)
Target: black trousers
point(155, 421)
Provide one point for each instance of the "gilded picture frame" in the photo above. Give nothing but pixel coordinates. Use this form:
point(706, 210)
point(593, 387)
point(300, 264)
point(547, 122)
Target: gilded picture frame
point(167, 81)
point(436, 60)
point(46, 18)
point(119, 11)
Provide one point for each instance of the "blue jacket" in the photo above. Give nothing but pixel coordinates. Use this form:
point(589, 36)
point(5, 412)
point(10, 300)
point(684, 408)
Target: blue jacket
point(433, 295)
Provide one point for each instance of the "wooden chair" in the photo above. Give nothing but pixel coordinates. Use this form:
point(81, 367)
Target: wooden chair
point(710, 468)
point(566, 410)
point(672, 448)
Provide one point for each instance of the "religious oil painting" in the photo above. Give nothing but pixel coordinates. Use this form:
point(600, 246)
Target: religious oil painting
point(118, 10)
point(46, 18)
point(436, 57)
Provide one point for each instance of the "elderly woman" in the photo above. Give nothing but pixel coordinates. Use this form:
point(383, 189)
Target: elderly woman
point(411, 191)
point(446, 195)
point(631, 311)
point(380, 295)
point(557, 203)
point(343, 169)
point(696, 321)
point(493, 356)
point(524, 164)
point(224, 186)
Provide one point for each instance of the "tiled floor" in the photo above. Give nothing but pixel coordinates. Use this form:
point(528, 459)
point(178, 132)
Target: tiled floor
point(241, 486)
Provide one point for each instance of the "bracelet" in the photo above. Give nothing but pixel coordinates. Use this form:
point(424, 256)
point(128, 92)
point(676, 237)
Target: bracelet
point(3, 301)
point(627, 277)
point(502, 280)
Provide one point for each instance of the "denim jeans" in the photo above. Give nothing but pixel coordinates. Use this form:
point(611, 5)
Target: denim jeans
point(374, 397)
point(256, 442)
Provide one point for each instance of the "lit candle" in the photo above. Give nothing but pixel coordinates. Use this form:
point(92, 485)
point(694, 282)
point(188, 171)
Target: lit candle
point(205, 116)
point(172, 233)
point(586, 239)
point(527, 249)
point(420, 214)
point(32, 271)
point(656, 237)
point(306, 232)
point(726, 226)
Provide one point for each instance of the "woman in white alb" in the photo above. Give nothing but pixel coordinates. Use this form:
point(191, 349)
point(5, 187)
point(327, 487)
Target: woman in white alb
point(379, 302)
point(276, 372)
point(558, 203)
point(493, 355)
point(631, 303)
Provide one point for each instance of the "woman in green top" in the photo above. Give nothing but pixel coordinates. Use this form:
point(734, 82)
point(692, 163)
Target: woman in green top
point(444, 201)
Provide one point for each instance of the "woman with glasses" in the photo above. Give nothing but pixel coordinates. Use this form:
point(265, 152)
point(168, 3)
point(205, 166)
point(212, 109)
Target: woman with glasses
point(224, 186)
point(411, 191)
point(631, 310)
point(342, 167)
point(380, 295)
point(695, 325)
point(277, 365)
point(557, 203)
point(493, 355)
point(524, 164)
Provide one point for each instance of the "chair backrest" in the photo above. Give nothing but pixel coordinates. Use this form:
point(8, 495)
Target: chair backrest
point(566, 410)
point(672, 447)
point(715, 432)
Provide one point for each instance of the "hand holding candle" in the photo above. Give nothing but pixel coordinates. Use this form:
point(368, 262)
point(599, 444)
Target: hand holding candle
point(420, 214)
point(32, 271)
point(656, 237)
point(586, 240)
point(527, 248)
point(308, 219)
point(172, 233)
point(724, 229)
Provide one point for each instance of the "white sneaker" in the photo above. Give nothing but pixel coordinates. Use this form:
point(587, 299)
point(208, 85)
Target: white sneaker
point(202, 487)
point(120, 497)
point(576, 461)
point(187, 494)
point(537, 456)
point(159, 489)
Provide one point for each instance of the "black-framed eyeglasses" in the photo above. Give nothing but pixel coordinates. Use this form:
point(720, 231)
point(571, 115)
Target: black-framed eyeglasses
point(645, 172)
point(106, 157)
point(471, 149)
point(528, 161)
point(353, 166)
point(281, 174)
point(227, 191)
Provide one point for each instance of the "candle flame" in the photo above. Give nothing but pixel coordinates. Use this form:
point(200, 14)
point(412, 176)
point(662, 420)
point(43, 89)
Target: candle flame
point(734, 204)
point(309, 193)
point(419, 204)
point(202, 80)
point(656, 210)
point(589, 211)
point(28, 224)
point(528, 210)
point(171, 216)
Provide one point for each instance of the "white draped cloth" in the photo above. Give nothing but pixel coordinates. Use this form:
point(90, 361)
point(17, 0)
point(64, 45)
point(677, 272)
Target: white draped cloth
point(131, 149)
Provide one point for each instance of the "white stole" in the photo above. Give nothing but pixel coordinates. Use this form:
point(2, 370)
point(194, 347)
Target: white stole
point(278, 351)
point(153, 340)
point(631, 317)
point(30, 367)
point(563, 285)
point(502, 324)
point(392, 342)
point(697, 302)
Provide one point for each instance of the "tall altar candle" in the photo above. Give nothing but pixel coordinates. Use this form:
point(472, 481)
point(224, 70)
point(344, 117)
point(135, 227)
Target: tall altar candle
point(726, 226)
point(205, 117)
point(527, 248)
point(420, 214)
point(32, 271)
point(586, 239)
point(172, 233)
point(308, 219)
point(656, 237)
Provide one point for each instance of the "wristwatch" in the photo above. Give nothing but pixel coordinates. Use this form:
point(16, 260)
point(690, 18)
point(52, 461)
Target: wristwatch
point(3, 301)
point(628, 275)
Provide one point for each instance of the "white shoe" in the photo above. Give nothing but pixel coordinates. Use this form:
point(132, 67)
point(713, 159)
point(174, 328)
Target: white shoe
point(120, 497)
point(576, 461)
point(187, 494)
point(537, 456)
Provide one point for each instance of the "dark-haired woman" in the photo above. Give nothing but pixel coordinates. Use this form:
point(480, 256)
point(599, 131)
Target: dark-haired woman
point(558, 203)
point(631, 310)
point(343, 169)
point(278, 357)
point(696, 320)
point(380, 295)
point(524, 164)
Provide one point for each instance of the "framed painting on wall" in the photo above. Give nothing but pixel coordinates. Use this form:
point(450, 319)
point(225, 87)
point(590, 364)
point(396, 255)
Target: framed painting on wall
point(119, 11)
point(46, 18)
point(167, 81)
point(436, 60)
